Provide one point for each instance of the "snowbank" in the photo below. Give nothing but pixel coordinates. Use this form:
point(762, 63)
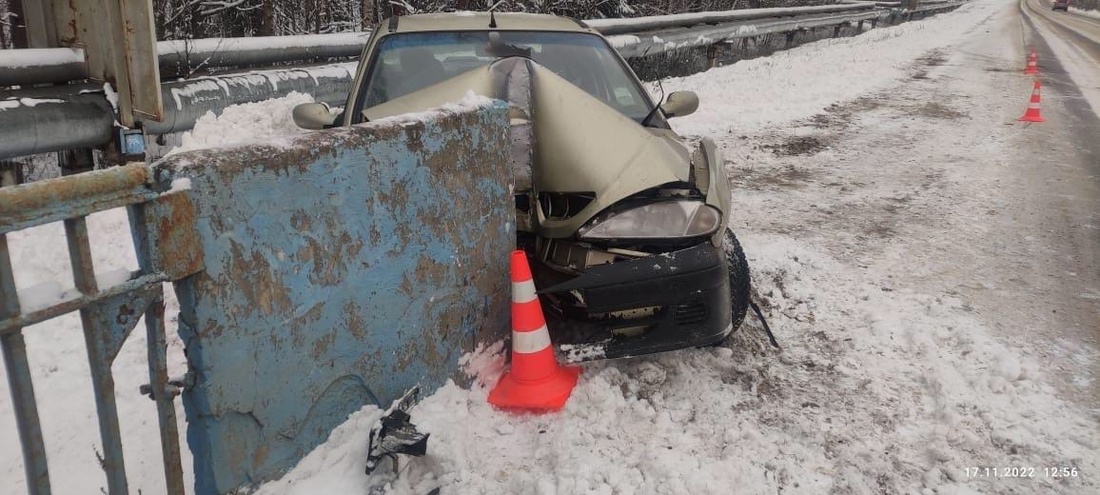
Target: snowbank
point(795, 84)
point(248, 122)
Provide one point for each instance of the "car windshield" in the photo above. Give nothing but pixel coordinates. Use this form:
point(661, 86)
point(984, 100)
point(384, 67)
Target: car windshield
point(408, 62)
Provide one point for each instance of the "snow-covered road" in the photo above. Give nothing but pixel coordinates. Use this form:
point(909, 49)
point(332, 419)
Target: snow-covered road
point(930, 266)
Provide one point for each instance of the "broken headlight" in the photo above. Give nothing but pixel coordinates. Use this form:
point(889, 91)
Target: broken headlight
point(661, 220)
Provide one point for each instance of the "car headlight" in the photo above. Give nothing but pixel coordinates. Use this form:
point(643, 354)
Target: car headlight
point(663, 220)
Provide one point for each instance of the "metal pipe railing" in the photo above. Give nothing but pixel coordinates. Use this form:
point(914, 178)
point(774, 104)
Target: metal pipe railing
point(27, 66)
point(179, 57)
point(53, 119)
point(609, 27)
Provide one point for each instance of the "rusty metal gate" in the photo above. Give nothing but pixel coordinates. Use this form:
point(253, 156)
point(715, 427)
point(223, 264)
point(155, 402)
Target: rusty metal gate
point(315, 275)
point(164, 238)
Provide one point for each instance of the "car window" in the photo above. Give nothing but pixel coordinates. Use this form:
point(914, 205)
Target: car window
point(407, 62)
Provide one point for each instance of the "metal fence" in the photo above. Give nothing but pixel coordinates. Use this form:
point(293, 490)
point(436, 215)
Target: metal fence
point(164, 240)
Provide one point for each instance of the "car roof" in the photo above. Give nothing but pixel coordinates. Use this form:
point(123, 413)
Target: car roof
point(479, 21)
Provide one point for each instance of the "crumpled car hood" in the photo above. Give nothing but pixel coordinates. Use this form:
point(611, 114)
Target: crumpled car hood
point(582, 145)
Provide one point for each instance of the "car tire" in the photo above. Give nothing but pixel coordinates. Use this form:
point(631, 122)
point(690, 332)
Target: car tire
point(740, 283)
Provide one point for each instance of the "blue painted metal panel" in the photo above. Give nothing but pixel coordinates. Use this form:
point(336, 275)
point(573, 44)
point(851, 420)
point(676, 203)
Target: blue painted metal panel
point(341, 268)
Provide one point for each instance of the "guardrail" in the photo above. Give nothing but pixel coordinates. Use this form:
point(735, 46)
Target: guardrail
point(176, 57)
point(74, 116)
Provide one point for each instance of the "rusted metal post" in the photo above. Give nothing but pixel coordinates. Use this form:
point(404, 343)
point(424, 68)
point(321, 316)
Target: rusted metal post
point(156, 346)
point(55, 200)
point(80, 254)
point(19, 381)
point(163, 395)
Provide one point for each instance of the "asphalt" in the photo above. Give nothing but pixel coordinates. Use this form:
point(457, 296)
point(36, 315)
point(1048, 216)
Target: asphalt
point(1083, 33)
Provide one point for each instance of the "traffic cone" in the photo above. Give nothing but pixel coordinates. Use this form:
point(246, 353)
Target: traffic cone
point(535, 382)
point(1032, 114)
point(1032, 63)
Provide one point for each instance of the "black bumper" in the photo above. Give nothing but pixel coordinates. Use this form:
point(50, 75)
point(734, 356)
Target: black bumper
point(689, 287)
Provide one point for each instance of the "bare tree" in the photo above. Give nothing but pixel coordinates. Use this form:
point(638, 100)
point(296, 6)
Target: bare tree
point(187, 19)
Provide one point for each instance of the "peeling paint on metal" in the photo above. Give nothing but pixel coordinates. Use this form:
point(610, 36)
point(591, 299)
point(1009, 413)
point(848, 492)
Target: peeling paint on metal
point(340, 270)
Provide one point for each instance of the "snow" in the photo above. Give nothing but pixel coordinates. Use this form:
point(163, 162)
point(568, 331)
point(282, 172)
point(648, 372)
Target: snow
point(43, 295)
point(211, 46)
point(468, 102)
point(652, 22)
point(1087, 13)
point(38, 57)
point(327, 467)
point(26, 102)
point(795, 84)
point(112, 97)
point(180, 184)
point(271, 78)
point(886, 384)
point(248, 122)
point(897, 374)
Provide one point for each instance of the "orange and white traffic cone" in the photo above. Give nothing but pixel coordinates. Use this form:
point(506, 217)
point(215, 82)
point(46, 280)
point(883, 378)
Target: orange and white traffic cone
point(535, 382)
point(1032, 64)
point(1032, 114)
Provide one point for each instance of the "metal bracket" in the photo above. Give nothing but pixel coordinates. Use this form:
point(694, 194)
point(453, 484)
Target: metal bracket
point(175, 387)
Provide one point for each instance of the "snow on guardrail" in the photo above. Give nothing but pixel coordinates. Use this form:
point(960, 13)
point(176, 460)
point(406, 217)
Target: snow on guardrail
point(76, 122)
point(632, 25)
point(56, 65)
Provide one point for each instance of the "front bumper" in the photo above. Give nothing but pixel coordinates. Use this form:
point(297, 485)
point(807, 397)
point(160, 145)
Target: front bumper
point(633, 307)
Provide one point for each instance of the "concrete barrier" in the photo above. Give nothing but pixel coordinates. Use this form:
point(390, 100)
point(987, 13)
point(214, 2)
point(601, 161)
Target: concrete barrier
point(342, 267)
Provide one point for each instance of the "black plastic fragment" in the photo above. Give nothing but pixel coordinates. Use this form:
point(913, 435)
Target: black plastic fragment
point(395, 434)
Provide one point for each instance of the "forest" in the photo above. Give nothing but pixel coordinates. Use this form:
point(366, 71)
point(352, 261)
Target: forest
point(191, 19)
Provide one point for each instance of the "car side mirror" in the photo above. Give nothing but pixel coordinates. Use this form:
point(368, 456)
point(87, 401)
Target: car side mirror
point(314, 116)
point(680, 103)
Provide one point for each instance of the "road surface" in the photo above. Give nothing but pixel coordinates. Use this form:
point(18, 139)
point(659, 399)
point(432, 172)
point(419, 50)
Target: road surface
point(928, 263)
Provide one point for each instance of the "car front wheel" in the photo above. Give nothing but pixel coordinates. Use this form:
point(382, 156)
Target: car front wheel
point(740, 283)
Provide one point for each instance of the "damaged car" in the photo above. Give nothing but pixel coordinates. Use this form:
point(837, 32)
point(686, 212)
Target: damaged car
point(624, 220)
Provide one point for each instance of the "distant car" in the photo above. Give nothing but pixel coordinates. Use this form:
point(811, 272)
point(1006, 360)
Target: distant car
point(624, 220)
point(1062, 5)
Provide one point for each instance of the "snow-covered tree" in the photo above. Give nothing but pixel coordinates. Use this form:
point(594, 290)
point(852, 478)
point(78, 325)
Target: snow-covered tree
point(183, 19)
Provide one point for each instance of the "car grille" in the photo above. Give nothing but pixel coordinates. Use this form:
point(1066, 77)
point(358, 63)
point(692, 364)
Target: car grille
point(690, 312)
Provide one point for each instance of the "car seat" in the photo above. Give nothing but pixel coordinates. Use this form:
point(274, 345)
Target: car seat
point(420, 69)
